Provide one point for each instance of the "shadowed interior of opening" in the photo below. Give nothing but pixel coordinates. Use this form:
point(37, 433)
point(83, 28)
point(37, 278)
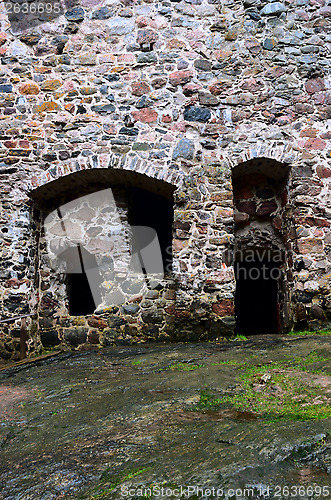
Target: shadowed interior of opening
point(256, 297)
point(79, 295)
point(80, 298)
point(155, 211)
point(261, 229)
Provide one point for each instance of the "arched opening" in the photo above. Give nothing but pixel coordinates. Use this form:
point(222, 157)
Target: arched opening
point(90, 221)
point(261, 250)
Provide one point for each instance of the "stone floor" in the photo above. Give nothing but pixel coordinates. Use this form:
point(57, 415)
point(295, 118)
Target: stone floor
point(94, 424)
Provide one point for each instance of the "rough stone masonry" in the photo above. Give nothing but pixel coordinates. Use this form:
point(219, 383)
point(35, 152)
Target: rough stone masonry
point(218, 110)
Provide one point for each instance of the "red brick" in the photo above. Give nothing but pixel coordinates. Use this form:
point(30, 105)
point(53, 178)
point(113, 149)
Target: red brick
point(180, 77)
point(140, 88)
point(315, 85)
point(309, 132)
point(93, 337)
point(248, 207)
point(323, 172)
point(219, 88)
point(252, 85)
point(315, 144)
point(146, 115)
point(243, 193)
point(267, 208)
point(254, 179)
point(223, 308)
point(141, 22)
point(253, 45)
point(97, 322)
point(10, 144)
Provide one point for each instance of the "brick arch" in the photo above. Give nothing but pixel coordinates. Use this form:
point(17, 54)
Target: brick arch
point(259, 143)
point(262, 165)
point(280, 153)
point(103, 164)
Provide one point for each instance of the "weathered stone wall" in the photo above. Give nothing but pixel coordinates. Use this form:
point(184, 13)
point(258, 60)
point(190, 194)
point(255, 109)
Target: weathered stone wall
point(179, 92)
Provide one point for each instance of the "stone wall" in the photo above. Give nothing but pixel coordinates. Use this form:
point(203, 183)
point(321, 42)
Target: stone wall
point(170, 94)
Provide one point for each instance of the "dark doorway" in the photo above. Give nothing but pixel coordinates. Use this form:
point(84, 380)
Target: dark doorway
point(83, 278)
point(80, 298)
point(155, 211)
point(256, 297)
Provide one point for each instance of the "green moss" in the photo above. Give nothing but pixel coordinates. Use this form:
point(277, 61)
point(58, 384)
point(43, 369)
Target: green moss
point(187, 367)
point(304, 333)
point(108, 483)
point(50, 350)
point(229, 362)
point(240, 337)
point(281, 395)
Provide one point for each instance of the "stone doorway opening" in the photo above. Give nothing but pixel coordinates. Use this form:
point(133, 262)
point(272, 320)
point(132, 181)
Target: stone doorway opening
point(146, 208)
point(256, 296)
point(102, 244)
point(80, 298)
point(81, 301)
point(262, 246)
